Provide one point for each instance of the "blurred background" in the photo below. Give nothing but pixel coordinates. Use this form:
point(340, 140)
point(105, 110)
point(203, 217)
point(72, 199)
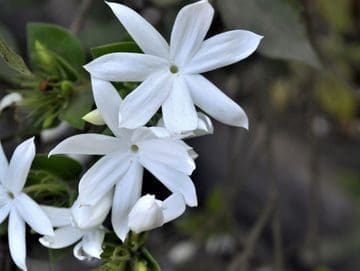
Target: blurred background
point(284, 195)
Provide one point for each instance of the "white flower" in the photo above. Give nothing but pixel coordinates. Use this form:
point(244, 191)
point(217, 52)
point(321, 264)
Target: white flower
point(171, 74)
point(19, 206)
point(149, 213)
point(125, 156)
point(72, 227)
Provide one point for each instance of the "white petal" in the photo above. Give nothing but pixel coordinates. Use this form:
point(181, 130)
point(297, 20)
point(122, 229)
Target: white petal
point(59, 217)
point(127, 192)
point(205, 125)
point(174, 180)
point(102, 177)
point(94, 117)
point(146, 133)
point(17, 240)
point(9, 100)
point(4, 212)
point(90, 144)
point(125, 67)
point(168, 152)
point(92, 243)
point(4, 165)
point(143, 102)
point(108, 101)
point(19, 167)
point(223, 50)
point(144, 34)
point(79, 252)
point(33, 215)
point(215, 103)
point(178, 109)
point(147, 214)
point(63, 237)
point(189, 149)
point(53, 134)
point(174, 206)
point(87, 217)
point(191, 26)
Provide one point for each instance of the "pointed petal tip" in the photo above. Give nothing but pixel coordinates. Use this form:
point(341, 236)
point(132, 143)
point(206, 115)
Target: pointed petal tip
point(122, 235)
point(44, 241)
point(193, 203)
point(243, 124)
point(86, 67)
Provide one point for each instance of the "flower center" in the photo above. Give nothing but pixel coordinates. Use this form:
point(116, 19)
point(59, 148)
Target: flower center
point(11, 195)
point(134, 148)
point(174, 69)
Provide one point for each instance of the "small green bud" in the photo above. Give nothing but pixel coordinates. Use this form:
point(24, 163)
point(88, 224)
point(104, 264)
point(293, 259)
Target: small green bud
point(141, 266)
point(65, 88)
point(44, 57)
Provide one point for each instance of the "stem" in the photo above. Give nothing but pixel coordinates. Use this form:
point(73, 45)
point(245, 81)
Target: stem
point(312, 240)
point(241, 260)
point(79, 20)
point(276, 221)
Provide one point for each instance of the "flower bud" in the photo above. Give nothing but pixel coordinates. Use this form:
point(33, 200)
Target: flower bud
point(147, 214)
point(94, 117)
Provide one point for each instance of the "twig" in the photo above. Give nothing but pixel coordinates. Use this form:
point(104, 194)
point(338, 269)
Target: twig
point(241, 260)
point(79, 20)
point(269, 118)
point(313, 240)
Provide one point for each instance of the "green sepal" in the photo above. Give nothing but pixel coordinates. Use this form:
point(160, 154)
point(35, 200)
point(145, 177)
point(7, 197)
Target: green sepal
point(80, 103)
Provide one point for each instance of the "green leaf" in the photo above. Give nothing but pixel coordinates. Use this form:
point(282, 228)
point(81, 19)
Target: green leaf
point(81, 102)
point(53, 181)
point(59, 165)
point(278, 21)
point(6, 73)
point(125, 46)
point(12, 59)
point(57, 40)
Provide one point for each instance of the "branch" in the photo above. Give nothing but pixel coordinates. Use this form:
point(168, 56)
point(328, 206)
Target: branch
point(79, 20)
point(241, 260)
point(313, 240)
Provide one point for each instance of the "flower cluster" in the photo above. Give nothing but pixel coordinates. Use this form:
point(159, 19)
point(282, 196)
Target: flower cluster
point(170, 81)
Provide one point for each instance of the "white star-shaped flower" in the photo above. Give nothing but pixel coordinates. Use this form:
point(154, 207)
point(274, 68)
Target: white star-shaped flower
point(171, 73)
point(82, 224)
point(125, 156)
point(17, 205)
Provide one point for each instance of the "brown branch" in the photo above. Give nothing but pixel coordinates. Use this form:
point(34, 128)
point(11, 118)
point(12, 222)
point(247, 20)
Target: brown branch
point(312, 239)
point(269, 117)
point(241, 260)
point(79, 20)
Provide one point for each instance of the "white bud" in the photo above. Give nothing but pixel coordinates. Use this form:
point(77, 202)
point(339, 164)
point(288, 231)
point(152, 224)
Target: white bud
point(94, 117)
point(147, 214)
